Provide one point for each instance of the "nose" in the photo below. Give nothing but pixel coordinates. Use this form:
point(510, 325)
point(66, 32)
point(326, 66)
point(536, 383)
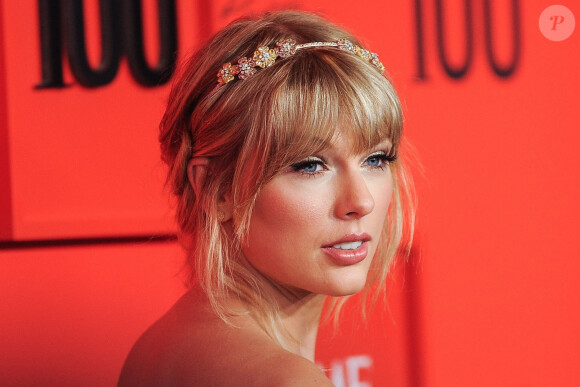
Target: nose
point(354, 199)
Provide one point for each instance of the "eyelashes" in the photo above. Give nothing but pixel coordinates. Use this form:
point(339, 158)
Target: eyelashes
point(315, 165)
point(380, 160)
point(311, 165)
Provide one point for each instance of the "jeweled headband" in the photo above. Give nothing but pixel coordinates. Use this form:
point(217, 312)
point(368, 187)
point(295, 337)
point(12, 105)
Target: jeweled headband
point(265, 56)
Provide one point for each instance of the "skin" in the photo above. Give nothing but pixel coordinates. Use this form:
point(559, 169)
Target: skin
point(309, 205)
point(331, 195)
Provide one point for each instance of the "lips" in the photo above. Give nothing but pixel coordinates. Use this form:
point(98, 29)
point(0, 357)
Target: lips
point(348, 250)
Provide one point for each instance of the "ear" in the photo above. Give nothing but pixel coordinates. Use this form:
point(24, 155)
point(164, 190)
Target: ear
point(197, 171)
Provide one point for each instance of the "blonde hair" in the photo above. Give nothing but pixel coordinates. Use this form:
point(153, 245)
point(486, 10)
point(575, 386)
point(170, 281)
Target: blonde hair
point(250, 129)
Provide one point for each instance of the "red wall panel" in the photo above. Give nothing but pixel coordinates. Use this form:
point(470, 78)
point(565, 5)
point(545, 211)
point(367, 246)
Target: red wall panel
point(70, 314)
point(5, 191)
point(498, 302)
point(500, 294)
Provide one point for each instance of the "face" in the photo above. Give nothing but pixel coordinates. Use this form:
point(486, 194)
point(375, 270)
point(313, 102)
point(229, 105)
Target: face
point(316, 225)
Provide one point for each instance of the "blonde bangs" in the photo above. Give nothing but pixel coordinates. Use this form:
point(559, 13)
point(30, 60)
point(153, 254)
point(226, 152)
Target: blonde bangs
point(326, 91)
point(297, 108)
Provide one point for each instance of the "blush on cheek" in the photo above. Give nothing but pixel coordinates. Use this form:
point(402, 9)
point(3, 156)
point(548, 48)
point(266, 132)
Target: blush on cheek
point(285, 231)
point(286, 209)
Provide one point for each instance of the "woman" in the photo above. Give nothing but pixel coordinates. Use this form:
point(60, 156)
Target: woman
point(289, 190)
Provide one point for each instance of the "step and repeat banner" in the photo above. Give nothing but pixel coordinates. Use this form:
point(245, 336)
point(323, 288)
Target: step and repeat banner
point(489, 91)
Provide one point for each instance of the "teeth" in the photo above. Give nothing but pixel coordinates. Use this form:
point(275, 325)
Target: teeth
point(348, 246)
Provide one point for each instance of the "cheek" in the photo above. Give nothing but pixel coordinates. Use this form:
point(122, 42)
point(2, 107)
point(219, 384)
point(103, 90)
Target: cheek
point(382, 191)
point(283, 222)
point(283, 209)
point(386, 194)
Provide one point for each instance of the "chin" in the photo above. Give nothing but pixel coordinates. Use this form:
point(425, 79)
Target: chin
point(344, 294)
point(347, 285)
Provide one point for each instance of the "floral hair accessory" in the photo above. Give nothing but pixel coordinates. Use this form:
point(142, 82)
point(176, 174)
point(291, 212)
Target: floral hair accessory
point(265, 56)
point(246, 68)
point(227, 73)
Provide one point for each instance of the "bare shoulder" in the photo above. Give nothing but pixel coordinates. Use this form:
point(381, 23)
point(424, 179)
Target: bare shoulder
point(191, 346)
point(290, 370)
point(179, 349)
point(158, 354)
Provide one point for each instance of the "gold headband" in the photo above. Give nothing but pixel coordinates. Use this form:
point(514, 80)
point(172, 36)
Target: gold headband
point(265, 57)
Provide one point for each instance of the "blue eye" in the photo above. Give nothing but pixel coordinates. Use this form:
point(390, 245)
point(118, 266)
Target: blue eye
point(310, 166)
point(374, 161)
point(379, 160)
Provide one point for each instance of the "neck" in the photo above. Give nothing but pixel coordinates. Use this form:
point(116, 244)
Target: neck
point(300, 312)
point(301, 317)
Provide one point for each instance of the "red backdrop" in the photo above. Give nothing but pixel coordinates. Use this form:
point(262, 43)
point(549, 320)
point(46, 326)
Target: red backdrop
point(490, 295)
